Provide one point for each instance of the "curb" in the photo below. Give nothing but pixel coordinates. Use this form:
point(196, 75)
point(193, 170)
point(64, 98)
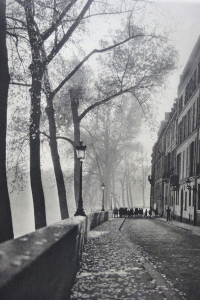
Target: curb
point(176, 225)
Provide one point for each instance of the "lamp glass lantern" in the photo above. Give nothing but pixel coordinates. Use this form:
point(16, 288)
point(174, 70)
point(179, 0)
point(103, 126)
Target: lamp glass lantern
point(188, 184)
point(103, 186)
point(80, 149)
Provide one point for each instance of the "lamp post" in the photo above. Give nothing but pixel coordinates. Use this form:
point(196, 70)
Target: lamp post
point(103, 188)
point(151, 179)
point(194, 189)
point(81, 156)
point(111, 199)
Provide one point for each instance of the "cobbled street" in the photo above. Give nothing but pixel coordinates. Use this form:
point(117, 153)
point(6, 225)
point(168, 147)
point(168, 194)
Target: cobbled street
point(147, 259)
point(174, 251)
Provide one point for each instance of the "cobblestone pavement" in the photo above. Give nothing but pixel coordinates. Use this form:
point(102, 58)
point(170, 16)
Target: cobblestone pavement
point(188, 227)
point(174, 249)
point(116, 266)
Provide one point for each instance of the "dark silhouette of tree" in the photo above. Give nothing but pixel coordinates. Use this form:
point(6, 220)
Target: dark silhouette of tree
point(6, 230)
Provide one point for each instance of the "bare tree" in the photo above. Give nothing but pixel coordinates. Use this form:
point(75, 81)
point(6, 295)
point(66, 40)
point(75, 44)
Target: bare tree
point(142, 178)
point(57, 25)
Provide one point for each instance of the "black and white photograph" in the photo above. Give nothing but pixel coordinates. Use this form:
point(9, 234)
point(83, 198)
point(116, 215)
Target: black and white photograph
point(99, 149)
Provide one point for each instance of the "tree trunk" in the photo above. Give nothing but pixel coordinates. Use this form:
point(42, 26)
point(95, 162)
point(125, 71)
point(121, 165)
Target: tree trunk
point(143, 197)
point(113, 187)
point(6, 229)
point(129, 187)
point(107, 169)
point(56, 160)
point(122, 185)
point(35, 171)
point(107, 177)
point(127, 183)
point(37, 70)
point(76, 122)
point(130, 193)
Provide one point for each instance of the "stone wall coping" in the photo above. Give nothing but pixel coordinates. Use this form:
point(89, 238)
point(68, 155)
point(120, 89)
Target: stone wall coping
point(44, 262)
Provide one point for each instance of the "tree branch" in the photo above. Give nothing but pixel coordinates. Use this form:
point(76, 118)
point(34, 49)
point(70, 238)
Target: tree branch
point(88, 56)
point(12, 34)
point(20, 2)
point(44, 133)
point(58, 137)
point(21, 84)
point(57, 47)
point(17, 20)
point(51, 29)
point(88, 109)
point(66, 139)
point(108, 13)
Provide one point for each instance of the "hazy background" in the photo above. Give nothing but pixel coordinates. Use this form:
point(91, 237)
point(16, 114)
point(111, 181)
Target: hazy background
point(182, 18)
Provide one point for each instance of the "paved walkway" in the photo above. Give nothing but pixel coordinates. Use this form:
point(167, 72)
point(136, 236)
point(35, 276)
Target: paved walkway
point(113, 267)
point(192, 229)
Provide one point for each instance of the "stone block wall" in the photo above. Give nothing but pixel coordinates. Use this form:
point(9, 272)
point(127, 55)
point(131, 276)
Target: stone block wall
point(43, 264)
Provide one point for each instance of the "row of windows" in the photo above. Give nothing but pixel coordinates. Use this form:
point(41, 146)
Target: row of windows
point(188, 200)
point(189, 122)
point(190, 88)
point(170, 135)
point(183, 165)
point(186, 161)
point(165, 165)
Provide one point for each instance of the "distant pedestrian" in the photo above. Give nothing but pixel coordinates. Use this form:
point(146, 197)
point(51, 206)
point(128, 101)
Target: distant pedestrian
point(136, 212)
point(139, 212)
point(115, 212)
point(150, 213)
point(168, 214)
point(156, 212)
point(145, 214)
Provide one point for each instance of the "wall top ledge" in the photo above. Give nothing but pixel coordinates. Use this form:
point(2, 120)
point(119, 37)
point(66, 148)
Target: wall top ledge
point(19, 253)
point(43, 263)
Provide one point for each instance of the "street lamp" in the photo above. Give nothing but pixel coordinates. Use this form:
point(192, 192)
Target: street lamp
point(80, 149)
point(194, 189)
point(103, 188)
point(111, 199)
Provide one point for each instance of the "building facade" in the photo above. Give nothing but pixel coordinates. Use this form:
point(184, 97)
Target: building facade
point(175, 169)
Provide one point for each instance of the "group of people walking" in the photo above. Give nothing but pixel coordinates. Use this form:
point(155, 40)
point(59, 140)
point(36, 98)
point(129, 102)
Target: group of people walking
point(125, 212)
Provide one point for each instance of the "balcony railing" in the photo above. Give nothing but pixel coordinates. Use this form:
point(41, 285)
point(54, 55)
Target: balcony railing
point(174, 180)
point(151, 179)
point(166, 175)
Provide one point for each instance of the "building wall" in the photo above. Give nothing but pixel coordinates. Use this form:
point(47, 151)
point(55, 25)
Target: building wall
point(176, 154)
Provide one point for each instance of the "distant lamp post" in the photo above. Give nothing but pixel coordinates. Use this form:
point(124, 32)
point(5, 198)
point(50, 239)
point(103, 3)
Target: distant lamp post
point(194, 189)
point(111, 199)
point(161, 201)
point(80, 149)
point(160, 198)
point(103, 188)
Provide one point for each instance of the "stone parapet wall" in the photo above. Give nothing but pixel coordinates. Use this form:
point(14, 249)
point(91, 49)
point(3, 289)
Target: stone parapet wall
point(43, 264)
point(98, 218)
